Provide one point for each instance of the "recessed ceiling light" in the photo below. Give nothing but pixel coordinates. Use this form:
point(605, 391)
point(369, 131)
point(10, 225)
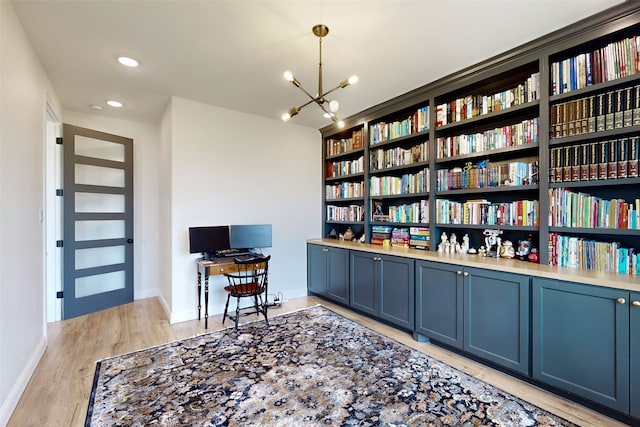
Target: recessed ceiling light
point(129, 62)
point(116, 104)
point(95, 107)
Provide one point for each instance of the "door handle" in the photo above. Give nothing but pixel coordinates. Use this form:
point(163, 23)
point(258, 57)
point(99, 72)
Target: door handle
point(129, 240)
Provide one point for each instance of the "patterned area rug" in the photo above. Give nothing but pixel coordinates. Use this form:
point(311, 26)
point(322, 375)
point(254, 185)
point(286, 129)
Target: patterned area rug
point(310, 367)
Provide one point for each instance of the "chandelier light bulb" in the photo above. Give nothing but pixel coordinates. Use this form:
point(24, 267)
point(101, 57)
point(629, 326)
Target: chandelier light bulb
point(128, 62)
point(341, 124)
point(353, 79)
point(288, 75)
point(327, 115)
point(286, 117)
point(334, 105)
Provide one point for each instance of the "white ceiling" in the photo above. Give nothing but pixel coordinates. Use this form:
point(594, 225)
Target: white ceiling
point(233, 53)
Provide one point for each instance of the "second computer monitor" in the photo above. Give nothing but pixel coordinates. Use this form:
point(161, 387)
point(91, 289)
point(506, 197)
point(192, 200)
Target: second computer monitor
point(250, 236)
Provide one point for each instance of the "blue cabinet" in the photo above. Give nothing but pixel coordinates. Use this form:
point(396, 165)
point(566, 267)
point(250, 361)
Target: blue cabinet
point(635, 354)
point(482, 312)
point(439, 302)
point(383, 286)
point(328, 272)
point(581, 340)
point(496, 317)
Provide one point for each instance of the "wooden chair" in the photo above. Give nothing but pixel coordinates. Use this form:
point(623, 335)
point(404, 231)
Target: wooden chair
point(251, 280)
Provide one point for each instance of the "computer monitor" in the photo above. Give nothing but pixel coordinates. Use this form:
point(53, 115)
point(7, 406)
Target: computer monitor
point(250, 236)
point(208, 240)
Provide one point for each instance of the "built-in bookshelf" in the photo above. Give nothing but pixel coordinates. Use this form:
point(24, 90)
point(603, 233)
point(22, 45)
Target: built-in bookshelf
point(541, 143)
point(344, 187)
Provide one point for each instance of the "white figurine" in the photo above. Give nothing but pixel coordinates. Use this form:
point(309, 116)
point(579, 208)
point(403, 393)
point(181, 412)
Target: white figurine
point(453, 243)
point(443, 242)
point(465, 244)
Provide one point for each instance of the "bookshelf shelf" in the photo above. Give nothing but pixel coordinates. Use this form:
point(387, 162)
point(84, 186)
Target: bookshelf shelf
point(345, 200)
point(416, 165)
point(521, 150)
point(596, 183)
point(347, 154)
point(606, 134)
point(477, 121)
point(596, 231)
point(490, 226)
point(400, 140)
point(500, 189)
point(399, 196)
point(599, 87)
point(345, 177)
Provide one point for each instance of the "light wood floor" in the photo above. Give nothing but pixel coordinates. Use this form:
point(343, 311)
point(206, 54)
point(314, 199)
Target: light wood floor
point(58, 392)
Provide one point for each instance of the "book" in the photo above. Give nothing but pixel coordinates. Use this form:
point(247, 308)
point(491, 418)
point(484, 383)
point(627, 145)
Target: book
point(575, 163)
point(623, 157)
point(628, 107)
point(601, 116)
point(566, 167)
point(603, 159)
point(612, 165)
point(636, 104)
point(633, 160)
point(610, 106)
point(584, 161)
point(593, 162)
point(618, 112)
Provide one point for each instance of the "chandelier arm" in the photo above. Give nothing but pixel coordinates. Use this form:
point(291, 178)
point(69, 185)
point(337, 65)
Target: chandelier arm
point(313, 98)
point(330, 90)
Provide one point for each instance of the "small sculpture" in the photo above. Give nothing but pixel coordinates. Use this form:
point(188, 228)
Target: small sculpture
point(491, 239)
point(348, 235)
point(524, 247)
point(507, 250)
point(443, 243)
point(465, 244)
point(453, 243)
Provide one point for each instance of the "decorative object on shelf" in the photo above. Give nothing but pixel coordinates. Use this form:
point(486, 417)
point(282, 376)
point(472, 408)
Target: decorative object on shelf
point(330, 107)
point(332, 234)
point(465, 244)
point(349, 235)
point(533, 255)
point(491, 239)
point(507, 250)
point(473, 251)
point(443, 247)
point(362, 238)
point(524, 248)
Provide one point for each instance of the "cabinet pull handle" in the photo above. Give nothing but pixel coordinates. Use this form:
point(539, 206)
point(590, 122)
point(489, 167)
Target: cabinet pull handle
point(325, 250)
point(636, 303)
point(458, 272)
point(465, 274)
point(621, 300)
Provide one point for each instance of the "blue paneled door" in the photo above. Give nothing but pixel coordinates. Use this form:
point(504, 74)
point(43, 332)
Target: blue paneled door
point(98, 221)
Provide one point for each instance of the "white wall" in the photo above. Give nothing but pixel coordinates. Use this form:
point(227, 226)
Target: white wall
point(24, 91)
point(235, 168)
point(146, 225)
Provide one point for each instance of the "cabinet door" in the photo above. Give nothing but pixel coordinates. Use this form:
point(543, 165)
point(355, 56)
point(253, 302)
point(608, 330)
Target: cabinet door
point(581, 340)
point(635, 354)
point(363, 268)
point(496, 317)
point(397, 291)
point(439, 302)
point(338, 275)
point(316, 269)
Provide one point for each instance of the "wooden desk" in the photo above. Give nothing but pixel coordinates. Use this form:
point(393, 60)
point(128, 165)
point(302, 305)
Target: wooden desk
point(206, 268)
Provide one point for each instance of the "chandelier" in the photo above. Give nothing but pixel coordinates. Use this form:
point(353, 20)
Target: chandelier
point(330, 107)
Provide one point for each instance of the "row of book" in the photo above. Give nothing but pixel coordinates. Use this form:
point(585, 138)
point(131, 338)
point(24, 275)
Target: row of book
point(526, 132)
point(615, 60)
point(345, 167)
point(415, 123)
point(416, 237)
point(599, 160)
point(614, 109)
point(345, 213)
point(471, 106)
point(344, 145)
point(410, 183)
point(344, 190)
point(483, 212)
point(399, 156)
point(577, 252)
point(574, 209)
point(489, 175)
point(416, 212)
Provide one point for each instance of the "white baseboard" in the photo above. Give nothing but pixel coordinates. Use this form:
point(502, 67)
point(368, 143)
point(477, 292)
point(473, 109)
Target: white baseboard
point(10, 403)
